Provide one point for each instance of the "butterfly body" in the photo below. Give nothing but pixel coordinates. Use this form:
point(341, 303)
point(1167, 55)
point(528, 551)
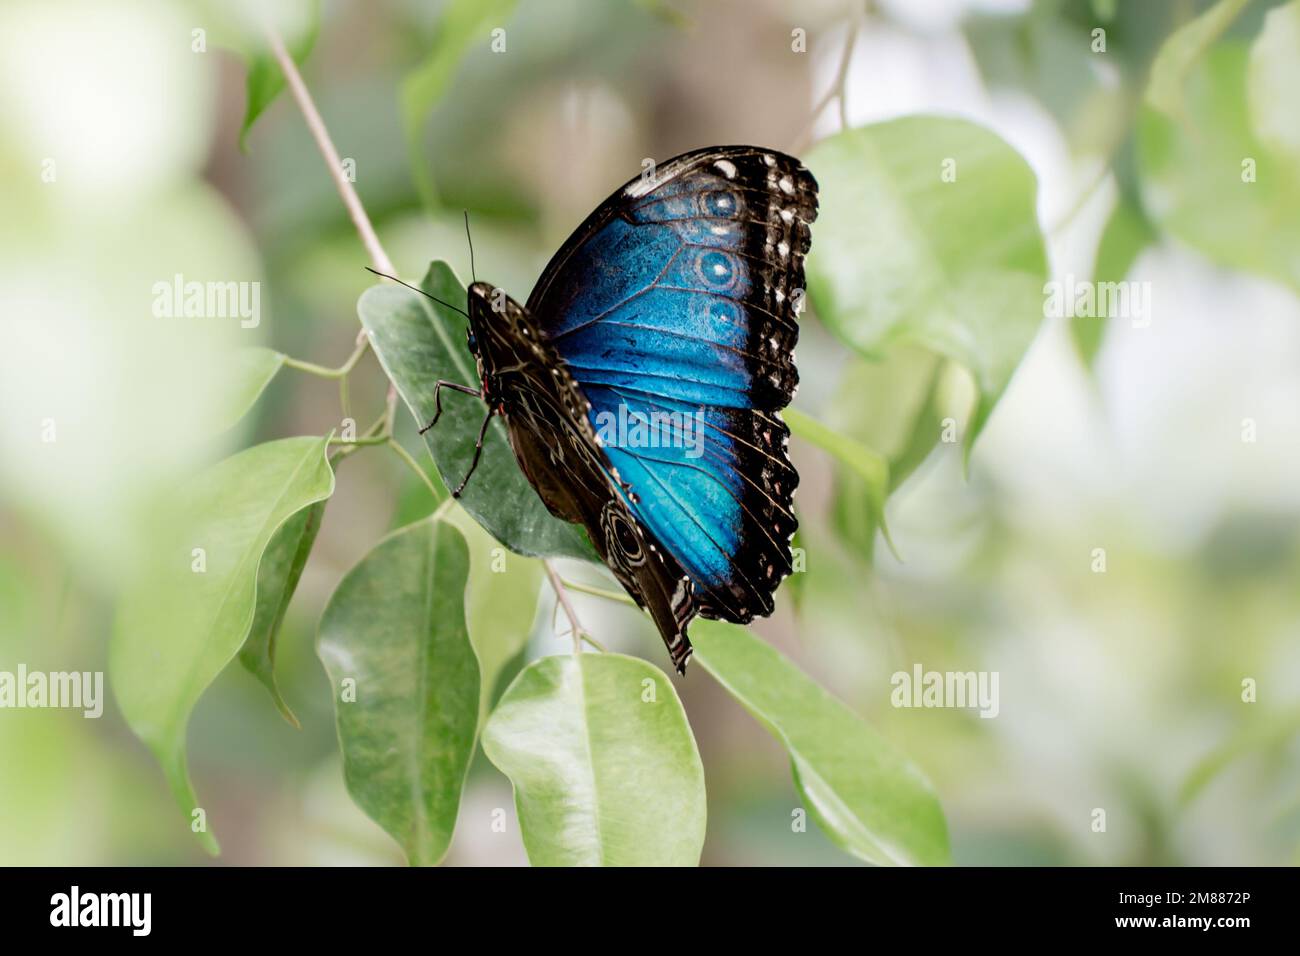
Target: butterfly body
point(672, 308)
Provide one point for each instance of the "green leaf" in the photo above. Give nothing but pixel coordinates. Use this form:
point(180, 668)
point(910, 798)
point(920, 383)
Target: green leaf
point(1127, 233)
point(500, 603)
point(1180, 53)
point(189, 613)
point(900, 255)
point(463, 23)
point(406, 684)
point(895, 406)
point(419, 342)
point(868, 466)
point(266, 79)
point(1195, 174)
point(1044, 54)
point(277, 578)
point(250, 370)
point(1273, 76)
point(603, 762)
point(1261, 735)
point(867, 797)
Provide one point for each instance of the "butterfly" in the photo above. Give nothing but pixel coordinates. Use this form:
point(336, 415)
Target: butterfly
point(642, 382)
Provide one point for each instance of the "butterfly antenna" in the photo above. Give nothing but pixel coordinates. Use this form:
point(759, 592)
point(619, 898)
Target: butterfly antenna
point(419, 290)
point(470, 240)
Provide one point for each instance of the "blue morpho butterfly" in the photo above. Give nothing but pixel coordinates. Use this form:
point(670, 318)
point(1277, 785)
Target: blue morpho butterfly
point(673, 308)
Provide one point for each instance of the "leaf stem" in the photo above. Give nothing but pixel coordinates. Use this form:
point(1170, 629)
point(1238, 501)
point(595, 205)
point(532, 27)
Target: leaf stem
point(414, 465)
point(341, 373)
point(593, 642)
point(361, 442)
point(605, 593)
point(390, 408)
point(379, 258)
point(442, 509)
point(311, 368)
point(351, 447)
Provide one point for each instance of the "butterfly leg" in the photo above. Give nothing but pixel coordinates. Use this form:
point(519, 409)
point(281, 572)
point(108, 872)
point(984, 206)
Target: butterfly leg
point(478, 450)
point(437, 399)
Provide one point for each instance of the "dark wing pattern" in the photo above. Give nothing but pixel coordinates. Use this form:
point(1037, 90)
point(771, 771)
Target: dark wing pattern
point(674, 308)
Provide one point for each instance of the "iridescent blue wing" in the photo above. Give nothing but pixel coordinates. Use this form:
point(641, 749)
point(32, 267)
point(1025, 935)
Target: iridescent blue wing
point(675, 306)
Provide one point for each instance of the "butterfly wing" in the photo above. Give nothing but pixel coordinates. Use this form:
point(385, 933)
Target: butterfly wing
point(548, 419)
point(675, 304)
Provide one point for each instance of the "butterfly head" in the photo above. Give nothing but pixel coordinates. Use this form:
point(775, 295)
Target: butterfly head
point(480, 314)
point(501, 334)
point(499, 327)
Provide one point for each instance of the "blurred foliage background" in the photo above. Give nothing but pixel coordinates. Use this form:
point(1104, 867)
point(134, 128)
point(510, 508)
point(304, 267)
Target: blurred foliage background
point(1120, 690)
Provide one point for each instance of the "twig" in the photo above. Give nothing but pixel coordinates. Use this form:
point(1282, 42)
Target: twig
point(562, 595)
point(378, 258)
point(835, 92)
point(341, 373)
point(311, 368)
point(842, 74)
point(326, 146)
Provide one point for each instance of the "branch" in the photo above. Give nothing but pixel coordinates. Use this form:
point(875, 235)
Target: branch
point(378, 257)
point(835, 92)
point(562, 595)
